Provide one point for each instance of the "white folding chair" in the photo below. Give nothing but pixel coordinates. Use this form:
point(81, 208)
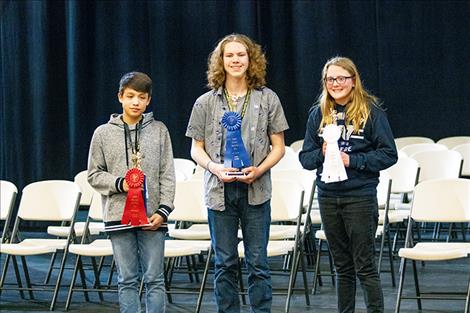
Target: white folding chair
point(400, 142)
point(464, 151)
point(440, 200)
point(8, 192)
point(410, 150)
point(54, 201)
point(191, 241)
point(451, 142)
point(100, 247)
point(287, 205)
point(404, 175)
point(81, 179)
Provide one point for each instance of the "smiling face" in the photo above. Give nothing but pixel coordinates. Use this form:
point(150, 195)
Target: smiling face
point(339, 83)
point(134, 103)
point(236, 60)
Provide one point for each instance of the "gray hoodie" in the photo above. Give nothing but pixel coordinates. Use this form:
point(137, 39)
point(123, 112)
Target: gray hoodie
point(107, 166)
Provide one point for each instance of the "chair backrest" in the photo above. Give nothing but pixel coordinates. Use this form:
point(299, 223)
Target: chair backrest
point(464, 151)
point(451, 142)
point(8, 192)
point(96, 207)
point(404, 175)
point(186, 166)
point(410, 150)
point(438, 164)
point(297, 145)
point(189, 202)
point(179, 175)
point(49, 200)
point(405, 141)
point(305, 177)
point(289, 161)
point(81, 179)
point(383, 188)
point(442, 200)
point(287, 198)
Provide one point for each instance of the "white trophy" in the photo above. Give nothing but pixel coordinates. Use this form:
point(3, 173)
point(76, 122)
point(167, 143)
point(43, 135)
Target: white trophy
point(333, 167)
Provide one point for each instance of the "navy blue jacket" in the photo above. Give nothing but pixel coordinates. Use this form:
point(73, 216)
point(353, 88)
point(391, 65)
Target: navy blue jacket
point(370, 151)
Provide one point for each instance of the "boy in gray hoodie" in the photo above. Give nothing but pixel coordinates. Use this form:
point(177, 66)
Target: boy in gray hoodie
point(115, 147)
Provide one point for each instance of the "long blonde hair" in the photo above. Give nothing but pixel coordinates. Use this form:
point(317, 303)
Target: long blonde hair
point(358, 109)
point(256, 73)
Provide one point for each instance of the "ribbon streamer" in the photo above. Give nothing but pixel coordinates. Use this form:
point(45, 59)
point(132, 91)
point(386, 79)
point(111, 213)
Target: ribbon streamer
point(235, 152)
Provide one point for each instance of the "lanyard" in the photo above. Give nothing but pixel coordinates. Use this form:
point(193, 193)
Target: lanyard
point(232, 107)
point(135, 146)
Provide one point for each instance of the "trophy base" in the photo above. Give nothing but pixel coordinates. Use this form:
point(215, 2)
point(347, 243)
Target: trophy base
point(235, 173)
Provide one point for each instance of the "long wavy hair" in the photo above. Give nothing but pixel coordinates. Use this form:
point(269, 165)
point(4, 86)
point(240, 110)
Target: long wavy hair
point(358, 109)
point(256, 72)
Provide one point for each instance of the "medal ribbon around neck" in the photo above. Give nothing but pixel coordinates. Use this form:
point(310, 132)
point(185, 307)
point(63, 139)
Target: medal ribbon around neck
point(232, 107)
point(135, 146)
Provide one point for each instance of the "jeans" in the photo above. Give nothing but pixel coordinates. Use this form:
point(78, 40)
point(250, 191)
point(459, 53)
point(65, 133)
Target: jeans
point(350, 225)
point(254, 221)
point(145, 248)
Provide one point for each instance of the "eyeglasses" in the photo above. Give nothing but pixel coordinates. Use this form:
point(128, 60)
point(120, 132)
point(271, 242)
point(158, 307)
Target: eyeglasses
point(339, 79)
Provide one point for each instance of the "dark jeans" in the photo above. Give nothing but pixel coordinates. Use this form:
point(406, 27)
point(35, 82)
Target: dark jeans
point(254, 222)
point(350, 225)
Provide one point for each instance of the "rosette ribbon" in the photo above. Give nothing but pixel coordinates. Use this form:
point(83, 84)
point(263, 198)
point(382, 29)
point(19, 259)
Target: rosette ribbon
point(135, 213)
point(235, 152)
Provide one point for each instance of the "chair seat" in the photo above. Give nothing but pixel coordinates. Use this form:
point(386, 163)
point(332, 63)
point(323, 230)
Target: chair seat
point(175, 248)
point(275, 248)
point(63, 231)
point(436, 251)
point(99, 247)
point(278, 232)
point(193, 232)
point(394, 216)
point(33, 246)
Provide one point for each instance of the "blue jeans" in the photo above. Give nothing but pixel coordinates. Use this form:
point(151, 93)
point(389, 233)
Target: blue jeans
point(145, 248)
point(254, 221)
point(350, 225)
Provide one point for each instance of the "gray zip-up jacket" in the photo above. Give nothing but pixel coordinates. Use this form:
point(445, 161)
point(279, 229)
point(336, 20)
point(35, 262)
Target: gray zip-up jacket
point(107, 165)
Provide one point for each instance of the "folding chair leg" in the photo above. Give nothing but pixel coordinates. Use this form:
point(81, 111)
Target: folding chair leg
point(83, 279)
point(316, 273)
point(49, 271)
point(467, 300)
point(203, 282)
point(72, 283)
point(59, 280)
point(26, 274)
point(400, 284)
point(17, 275)
point(111, 271)
point(390, 256)
point(415, 275)
point(96, 273)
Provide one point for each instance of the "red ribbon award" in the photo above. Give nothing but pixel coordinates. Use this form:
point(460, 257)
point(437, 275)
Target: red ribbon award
point(134, 212)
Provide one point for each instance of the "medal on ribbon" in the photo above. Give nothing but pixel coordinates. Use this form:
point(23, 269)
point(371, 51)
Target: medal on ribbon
point(235, 152)
point(135, 212)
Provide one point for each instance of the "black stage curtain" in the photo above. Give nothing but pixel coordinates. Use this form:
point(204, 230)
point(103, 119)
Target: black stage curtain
point(61, 62)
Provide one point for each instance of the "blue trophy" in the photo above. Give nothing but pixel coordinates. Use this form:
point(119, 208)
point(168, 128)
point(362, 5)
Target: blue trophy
point(235, 152)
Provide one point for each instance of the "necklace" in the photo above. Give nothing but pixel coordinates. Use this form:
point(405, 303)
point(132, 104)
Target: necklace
point(230, 101)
